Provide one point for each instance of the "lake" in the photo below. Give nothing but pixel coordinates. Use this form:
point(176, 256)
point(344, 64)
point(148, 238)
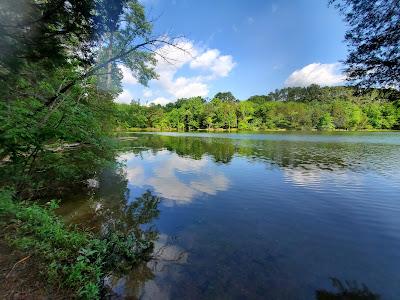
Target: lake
point(254, 216)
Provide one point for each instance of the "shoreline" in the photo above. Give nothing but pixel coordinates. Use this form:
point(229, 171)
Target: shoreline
point(235, 130)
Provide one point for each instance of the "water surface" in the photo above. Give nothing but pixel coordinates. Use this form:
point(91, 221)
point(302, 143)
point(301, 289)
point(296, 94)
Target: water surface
point(256, 216)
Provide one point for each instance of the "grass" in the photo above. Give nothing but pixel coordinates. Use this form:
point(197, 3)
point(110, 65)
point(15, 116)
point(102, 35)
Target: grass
point(73, 259)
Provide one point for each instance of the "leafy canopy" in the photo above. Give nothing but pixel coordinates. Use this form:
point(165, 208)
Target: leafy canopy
point(373, 39)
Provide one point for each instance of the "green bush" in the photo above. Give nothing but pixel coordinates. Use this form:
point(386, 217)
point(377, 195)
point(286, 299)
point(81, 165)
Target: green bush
point(75, 259)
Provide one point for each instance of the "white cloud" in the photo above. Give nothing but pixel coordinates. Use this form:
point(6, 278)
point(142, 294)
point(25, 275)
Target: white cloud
point(147, 93)
point(171, 58)
point(184, 87)
point(205, 60)
point(219, 65)
point(321, 74)
point(223, 65)
point(250, 20)
point(169, 61)
point(274, 8)
point(125, 97)
point(205, 65)
point(161, 100)
point(128, 78)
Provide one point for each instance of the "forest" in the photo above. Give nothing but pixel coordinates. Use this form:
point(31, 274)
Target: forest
point(60, 76)
point(298, 108)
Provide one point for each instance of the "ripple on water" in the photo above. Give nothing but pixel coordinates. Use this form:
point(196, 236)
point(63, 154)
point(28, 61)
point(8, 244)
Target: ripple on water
point(266, 216)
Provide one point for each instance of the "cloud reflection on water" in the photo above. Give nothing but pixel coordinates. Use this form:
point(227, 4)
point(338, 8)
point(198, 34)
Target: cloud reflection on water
point(315, 178)
point(174, 177)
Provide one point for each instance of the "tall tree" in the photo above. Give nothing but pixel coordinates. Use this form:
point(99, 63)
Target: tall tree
point(226, 97)
point(51, 31)
point(53, 55)
point(373, 39)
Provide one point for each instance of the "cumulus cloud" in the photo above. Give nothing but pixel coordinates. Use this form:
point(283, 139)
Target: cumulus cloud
point(219, 65)
point(184, 87)
point(125, 97)
point(128, 78)
point(223, 65)
point(171, 59)
point(204, 65)
point(317, 73)
point(147, 93)
point(205, 60)
point(161, 101)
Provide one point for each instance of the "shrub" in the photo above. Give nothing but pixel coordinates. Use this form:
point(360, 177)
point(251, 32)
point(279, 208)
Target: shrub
point(75, 259)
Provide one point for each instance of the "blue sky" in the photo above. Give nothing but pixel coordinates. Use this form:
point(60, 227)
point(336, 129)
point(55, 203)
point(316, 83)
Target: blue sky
point(246, 47)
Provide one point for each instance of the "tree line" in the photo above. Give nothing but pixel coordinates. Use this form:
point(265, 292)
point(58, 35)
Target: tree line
point(294, 108)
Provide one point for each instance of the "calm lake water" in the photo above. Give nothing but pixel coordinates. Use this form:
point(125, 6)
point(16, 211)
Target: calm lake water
point(255, 216)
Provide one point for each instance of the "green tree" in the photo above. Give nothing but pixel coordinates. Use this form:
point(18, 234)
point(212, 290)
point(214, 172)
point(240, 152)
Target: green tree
point(373, 41)
point(225, 97)
point(154, 116)
point(208, 116)
point(245, 114)
point(326, 122)
point(295, 109)
point(259, 99)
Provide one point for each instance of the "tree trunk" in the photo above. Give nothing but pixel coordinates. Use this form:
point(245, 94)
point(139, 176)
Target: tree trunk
point(109, 66)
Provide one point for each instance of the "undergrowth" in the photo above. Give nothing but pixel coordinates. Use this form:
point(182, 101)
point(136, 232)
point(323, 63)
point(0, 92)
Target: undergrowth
point(73, 259)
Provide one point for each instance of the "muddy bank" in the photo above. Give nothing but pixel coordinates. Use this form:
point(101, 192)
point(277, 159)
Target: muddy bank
point(20, 277)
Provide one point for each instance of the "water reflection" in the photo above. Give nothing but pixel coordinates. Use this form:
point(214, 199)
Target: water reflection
point(299, 154)
point(315, 177)
point(106, 210)
point(347, 290)
point(130, 285)
point(253, 218)
point(138, 283)
point(177, 179)
point(286, 215)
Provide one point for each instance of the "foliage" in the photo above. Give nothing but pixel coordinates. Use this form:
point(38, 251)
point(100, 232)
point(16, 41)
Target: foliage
point(325, 122)
point(42, 31)
point(373, 40)
point(35, 139)
point(225, 97)
point(60, 69)
point(119, 47)
point(74, 259)
point(312, 107)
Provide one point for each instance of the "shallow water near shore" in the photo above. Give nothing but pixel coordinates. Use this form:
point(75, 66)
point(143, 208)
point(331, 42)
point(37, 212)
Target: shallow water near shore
point(255, 216)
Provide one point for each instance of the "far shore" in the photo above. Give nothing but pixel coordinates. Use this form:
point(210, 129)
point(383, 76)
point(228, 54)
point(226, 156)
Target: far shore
point(223, 130)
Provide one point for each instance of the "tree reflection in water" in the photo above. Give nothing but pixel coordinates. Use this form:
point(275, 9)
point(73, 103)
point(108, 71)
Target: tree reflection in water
point(302, 155)
point(134, 228)
point(349, 290)
point(111, 207)
point(126, 224)
point(133, 235)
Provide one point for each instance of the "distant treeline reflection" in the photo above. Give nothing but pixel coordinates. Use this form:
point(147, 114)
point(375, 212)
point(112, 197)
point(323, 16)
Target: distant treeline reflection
point(300, 154)
point(347, 290)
